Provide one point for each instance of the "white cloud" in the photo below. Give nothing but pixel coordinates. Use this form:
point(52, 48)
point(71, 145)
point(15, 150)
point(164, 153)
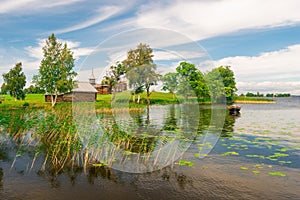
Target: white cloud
point(269, 87)
point(178, 55)
point(103, 14)
point(277, 70)
point(24, 6)
point(159, 55)
point(203, 19)
point(36, 52)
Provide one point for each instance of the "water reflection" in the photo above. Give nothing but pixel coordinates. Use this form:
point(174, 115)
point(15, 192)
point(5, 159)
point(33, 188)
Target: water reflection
point(49, 139)
point(170, 122)
point(1, 177)
point(47, 150)
point(228, 127)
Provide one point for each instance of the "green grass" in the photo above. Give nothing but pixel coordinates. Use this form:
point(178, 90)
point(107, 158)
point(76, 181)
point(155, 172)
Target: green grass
point(37, 100)
point(238, 98)
point(102, 101)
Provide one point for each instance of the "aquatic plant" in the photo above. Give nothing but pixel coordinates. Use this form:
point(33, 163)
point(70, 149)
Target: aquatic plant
point(276, 173)
point(184, 162)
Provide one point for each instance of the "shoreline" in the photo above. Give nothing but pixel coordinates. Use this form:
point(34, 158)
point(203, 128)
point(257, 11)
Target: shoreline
point(254, 102)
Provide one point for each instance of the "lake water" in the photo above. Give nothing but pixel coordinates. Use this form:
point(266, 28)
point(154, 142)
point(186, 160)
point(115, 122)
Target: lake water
point(255, 156)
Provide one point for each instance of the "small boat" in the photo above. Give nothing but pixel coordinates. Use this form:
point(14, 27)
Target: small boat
point(234, 109)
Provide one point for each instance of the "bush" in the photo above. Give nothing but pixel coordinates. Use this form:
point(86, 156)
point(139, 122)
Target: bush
point(26, 104)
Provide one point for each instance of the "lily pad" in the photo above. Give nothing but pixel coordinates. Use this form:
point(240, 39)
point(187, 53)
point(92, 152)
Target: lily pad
point(277, 174)
point(184, 162)
point(259, 166)
point(197, 155)
point(230, 153)
point(285, 162)
point(244, 168)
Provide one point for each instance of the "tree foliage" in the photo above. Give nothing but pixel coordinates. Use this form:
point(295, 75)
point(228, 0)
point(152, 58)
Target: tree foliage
point(34, 90)
point(113, 75)
point(170, 82)
point(191, 81)
point(229, 82)
point(222, 83)
point(217, 84)
point(143, 54)
point(14, 82)
point(141, 70)
point(56, 75)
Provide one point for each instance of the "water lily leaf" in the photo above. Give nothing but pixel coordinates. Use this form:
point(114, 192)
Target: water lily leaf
point(283, 149)
point(285, 162)
point(256, 171)
point(269, 146)
point(99, 164)
point(255, 156)
point(184, 162)
point(259, 166)
point(277, 174)
point(244, 168)
point(230, 153)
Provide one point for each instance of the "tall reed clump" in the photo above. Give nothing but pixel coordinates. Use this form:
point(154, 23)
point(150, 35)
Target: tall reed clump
point(18, 122)
point(58, 139)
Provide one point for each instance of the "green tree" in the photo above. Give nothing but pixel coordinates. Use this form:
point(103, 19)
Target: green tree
point(170, 81)
point(14, 82)
point(3, 89)
point(143, 54)
point(149, 77)
point(191, 81)
point(34, 90)
point(56, 75)
point(113, 76)
point(250, 94)
point(140, 70)
point(229, 82)
point(216, 86)
point(142, 78)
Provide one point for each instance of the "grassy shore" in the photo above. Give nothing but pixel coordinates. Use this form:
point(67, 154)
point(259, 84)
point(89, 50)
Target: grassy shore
point(104, 101)
point(253, 100)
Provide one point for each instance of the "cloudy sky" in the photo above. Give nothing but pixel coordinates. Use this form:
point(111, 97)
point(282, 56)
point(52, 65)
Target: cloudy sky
point(260, 40)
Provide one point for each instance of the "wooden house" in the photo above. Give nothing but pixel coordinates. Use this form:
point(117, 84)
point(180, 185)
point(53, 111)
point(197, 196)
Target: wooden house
point(102, 89)
point(82, 92)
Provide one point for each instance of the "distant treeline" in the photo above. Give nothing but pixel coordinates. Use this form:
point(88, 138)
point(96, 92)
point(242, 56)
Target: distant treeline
point(250, 94)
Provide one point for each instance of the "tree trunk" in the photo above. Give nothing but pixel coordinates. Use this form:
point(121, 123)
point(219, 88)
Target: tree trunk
point(113, 95)
point(139, 98)
point(133, 98)
point(148, 116)
point(148, 95)
point(173, 95)
point(53, 100)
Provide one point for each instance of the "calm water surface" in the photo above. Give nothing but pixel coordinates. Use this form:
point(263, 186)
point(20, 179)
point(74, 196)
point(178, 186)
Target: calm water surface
point(257, 156)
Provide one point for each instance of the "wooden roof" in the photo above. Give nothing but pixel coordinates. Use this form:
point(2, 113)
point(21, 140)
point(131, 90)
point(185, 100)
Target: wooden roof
point(84, 87)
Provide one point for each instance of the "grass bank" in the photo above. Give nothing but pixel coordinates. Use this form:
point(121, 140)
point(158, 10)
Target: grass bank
point(123, 99)
point(103, 101)
point(253, 100)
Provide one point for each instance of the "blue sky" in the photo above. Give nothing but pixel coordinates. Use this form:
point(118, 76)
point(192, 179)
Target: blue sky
point(260, 40)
